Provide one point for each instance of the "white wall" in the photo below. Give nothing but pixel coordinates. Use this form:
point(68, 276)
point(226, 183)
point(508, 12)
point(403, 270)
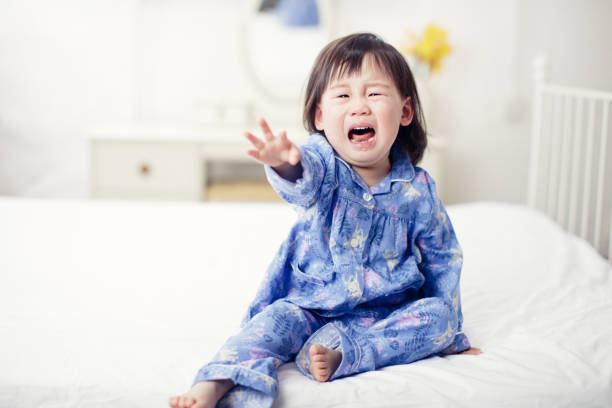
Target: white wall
point(64, 64)
point(474, 94)
point(69, 64)
point(575, 36)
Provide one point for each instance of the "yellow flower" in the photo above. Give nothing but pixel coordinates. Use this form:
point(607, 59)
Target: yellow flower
point(430, 48)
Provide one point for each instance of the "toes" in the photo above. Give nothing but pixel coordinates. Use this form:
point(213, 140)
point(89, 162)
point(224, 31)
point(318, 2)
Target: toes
point(320, 365)
point(473, 351)
point(186, 402)
point(318, 358)
point(319, 371)
point(317, 349)
point(321, 376)
point(172, 402)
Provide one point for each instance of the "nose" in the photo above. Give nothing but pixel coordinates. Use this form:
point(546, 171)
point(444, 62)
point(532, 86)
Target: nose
point(359, 107)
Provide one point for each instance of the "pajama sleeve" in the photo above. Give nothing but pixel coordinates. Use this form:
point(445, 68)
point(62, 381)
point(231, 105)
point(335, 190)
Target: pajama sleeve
point(304, 191)
point(440, 259)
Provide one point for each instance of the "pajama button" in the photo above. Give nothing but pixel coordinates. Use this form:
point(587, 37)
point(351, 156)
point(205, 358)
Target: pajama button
point(354, 243)
point(367, 197)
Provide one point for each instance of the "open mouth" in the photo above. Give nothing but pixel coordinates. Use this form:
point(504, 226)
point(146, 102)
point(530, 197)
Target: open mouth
point(362, 134)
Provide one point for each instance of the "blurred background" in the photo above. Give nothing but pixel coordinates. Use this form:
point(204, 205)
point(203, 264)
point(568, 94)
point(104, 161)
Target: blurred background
point(150, 98)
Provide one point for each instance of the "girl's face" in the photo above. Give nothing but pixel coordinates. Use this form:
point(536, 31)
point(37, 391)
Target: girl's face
point(361, 114)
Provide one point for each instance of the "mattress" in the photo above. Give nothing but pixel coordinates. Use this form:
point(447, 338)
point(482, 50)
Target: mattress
point(115, 303)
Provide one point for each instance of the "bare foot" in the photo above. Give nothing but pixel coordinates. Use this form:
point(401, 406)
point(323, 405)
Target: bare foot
point(204, 394)
point(473, 351)
point(324, 362)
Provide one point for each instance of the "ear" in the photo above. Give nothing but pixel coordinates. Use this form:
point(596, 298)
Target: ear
point(318, 118)
point(407, 112)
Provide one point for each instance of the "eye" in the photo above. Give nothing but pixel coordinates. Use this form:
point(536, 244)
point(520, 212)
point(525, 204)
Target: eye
point(342, 96)
point(377, 92)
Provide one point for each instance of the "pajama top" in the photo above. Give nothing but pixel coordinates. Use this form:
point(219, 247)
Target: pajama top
point(356, 248)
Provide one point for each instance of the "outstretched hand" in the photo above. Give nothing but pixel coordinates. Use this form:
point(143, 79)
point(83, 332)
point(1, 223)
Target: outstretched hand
point(274, 151)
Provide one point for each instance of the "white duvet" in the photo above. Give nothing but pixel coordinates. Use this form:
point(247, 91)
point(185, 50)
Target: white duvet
point(118, 304)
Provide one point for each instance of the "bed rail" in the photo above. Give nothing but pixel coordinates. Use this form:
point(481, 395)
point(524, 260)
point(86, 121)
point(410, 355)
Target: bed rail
point(569, 176)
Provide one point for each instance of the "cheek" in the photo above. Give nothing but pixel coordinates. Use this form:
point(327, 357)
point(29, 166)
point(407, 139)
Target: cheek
point(390, 115)
point(333, 118)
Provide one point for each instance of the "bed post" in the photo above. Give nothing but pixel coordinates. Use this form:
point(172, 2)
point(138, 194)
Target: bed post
point(610, 238)
point(601, 168)
point(539, 77)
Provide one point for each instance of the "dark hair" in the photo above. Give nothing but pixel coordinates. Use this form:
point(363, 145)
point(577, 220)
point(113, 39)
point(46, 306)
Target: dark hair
point(344, 56)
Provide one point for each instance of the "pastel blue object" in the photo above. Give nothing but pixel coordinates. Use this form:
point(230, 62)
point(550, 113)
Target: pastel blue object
point(370, 271)
point(298, 13)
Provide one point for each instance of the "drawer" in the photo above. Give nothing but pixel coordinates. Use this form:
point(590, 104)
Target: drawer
point(146, 169)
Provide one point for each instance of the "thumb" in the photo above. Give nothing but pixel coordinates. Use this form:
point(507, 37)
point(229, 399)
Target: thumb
point(294, 155)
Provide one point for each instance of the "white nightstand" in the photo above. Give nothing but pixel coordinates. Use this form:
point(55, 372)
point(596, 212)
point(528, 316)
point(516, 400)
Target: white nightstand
point(169, 161)
point(162, 161)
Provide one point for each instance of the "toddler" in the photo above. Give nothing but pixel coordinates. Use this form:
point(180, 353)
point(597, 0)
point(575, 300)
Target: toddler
point(369, 275)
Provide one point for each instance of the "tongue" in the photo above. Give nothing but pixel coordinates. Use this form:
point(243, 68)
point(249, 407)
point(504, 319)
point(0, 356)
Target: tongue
point(361, 138)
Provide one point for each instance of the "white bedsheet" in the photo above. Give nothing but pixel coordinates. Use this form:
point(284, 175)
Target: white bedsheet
point(117, 304)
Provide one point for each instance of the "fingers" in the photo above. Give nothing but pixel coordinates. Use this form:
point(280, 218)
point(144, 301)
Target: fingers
point(293, 154)
point(284, 144)
point(273, 150)
point(267, 133)
point(283, 136)
point(255, 154)
point(257, 142)
point(296, 154)
point(266, 129)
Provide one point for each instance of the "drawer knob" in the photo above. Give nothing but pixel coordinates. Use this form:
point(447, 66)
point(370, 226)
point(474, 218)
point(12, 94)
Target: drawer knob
point(145, 169)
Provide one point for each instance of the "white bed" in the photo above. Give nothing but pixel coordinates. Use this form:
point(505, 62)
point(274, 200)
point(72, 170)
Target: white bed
point(117, 304)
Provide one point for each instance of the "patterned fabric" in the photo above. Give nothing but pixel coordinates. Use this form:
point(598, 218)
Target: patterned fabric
point(373, 272)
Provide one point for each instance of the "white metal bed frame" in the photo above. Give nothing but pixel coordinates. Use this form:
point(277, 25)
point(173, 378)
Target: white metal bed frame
point(554, 177)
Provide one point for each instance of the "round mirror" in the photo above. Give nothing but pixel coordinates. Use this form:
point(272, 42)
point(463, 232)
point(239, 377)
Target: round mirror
point(279, 41)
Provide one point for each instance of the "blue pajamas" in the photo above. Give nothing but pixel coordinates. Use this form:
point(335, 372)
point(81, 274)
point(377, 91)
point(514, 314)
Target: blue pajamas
point(373, 272)
point(252, 357)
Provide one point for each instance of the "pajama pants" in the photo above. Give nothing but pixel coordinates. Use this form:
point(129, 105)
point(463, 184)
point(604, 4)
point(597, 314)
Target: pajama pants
point(284, 331)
